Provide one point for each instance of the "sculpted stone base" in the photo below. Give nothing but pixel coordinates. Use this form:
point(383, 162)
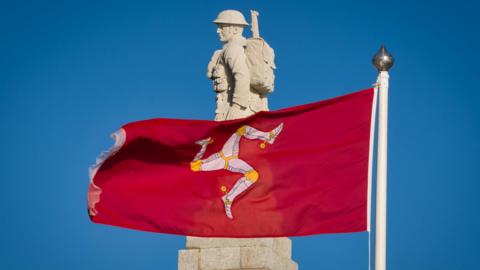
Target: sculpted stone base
point(236, 254)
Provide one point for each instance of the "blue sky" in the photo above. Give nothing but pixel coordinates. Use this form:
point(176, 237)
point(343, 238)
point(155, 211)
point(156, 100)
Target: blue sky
point(72, 72)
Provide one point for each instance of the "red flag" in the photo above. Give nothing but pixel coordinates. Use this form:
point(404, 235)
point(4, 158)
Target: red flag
point(296, 171)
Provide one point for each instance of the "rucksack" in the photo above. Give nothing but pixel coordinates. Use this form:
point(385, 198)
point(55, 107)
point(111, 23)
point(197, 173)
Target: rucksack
point(260, 62)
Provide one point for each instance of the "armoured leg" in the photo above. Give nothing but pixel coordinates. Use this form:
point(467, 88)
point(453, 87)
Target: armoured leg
point(211, 163)
point(268, 137)
point(204, 143)
point(240, 186)
point(230, 148)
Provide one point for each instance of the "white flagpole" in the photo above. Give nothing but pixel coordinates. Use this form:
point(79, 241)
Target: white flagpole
point(383, 61)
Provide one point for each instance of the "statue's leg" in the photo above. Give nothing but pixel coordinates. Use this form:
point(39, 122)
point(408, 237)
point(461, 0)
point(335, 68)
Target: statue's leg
point(250, 176)
point(235, 112)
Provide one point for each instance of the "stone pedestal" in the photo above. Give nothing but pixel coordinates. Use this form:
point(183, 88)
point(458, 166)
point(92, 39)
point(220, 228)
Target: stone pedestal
point(236, 254)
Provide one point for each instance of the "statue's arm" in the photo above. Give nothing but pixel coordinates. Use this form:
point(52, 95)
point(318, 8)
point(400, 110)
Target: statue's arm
point(212, 63)
point(236, 60)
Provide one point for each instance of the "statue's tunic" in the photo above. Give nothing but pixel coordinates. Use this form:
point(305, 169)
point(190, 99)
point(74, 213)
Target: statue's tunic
point(231, 81)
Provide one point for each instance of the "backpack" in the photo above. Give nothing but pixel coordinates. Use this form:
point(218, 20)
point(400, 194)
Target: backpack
point(260, 62)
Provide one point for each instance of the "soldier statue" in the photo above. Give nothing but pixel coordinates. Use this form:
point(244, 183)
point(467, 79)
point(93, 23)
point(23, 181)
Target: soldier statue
point(243, 75)
point(230, 72)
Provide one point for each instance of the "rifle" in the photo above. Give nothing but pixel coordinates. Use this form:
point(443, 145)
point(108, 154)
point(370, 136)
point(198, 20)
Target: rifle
point(255, 31)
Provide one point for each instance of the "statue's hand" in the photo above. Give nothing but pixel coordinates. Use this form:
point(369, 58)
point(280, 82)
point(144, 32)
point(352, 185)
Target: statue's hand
point(213, 62)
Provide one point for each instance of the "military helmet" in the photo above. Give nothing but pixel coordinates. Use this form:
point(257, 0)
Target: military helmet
point(231, 17)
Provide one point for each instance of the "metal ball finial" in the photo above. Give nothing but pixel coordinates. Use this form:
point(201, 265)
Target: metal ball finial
point(383, 60)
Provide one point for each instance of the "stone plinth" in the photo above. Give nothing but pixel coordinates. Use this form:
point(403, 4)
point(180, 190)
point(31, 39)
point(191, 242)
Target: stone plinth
point(237, 254)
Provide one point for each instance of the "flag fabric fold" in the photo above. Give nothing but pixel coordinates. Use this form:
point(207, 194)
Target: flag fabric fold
point(297, 171)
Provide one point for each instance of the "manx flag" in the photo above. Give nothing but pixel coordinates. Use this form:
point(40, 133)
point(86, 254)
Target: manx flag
point(296, 171)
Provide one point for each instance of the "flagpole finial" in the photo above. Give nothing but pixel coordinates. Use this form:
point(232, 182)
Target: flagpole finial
point(383, 60)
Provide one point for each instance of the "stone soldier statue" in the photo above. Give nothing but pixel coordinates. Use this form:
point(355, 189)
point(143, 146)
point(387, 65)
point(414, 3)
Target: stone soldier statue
point(242, 75)
point(230, 72)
